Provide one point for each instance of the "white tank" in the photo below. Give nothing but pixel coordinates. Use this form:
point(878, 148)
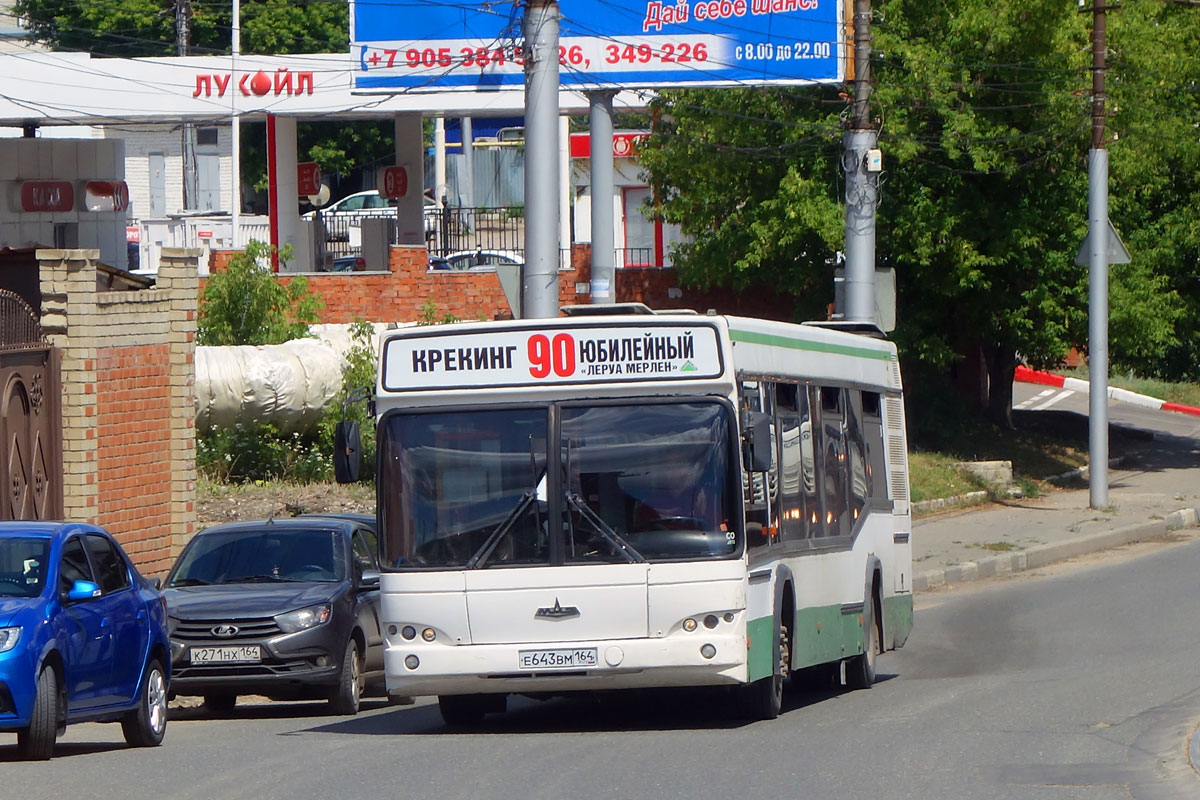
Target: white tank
point(289, 384)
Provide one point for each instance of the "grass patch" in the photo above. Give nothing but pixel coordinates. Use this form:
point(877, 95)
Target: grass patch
point(999, 547)
point(1187, 394)
point(933, 475)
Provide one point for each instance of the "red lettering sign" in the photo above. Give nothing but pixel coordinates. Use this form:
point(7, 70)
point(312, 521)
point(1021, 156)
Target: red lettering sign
point(394, 183)
point(308, 178)
point(47, 196)
point(624, 144)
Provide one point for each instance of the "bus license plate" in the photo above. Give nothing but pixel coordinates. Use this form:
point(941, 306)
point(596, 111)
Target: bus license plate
point(557, 659)
point(241, 654)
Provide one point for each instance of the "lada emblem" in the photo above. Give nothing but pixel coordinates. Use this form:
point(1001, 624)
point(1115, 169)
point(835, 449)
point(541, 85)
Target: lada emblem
point(558, 611)
point(225, 631)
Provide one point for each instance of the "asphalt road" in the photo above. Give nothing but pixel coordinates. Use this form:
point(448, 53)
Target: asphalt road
point(1077, 684)
point(1034, 397)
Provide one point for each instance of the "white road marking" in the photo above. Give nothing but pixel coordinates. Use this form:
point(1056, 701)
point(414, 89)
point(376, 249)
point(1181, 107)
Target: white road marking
point(1058, 398)
point(1027, 403)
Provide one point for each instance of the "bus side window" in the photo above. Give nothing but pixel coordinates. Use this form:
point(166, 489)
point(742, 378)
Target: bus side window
point(762, 489)
point(834, 463)
point(872, 421)
point(811, 478)
point(860, 490)
point(791, 512)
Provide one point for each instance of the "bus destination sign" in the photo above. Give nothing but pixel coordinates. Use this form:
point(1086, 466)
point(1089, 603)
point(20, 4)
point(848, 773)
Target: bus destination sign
point(540, 356)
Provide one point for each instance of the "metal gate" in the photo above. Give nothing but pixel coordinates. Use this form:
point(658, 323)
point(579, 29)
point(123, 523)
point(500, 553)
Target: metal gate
point(31, 485)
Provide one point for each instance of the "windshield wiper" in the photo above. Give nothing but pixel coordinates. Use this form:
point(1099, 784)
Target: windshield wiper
point(262, 579)
point(189, 582)
point(500, 530)
point(510, 519)
point(603, 528)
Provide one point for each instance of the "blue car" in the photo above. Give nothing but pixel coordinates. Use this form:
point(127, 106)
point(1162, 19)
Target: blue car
point(83, 637)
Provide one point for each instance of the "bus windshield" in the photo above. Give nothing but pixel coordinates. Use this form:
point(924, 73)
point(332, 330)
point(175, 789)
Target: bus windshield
point(635, 482)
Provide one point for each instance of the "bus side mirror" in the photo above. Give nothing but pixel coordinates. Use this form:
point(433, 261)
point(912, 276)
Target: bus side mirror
point(756, 438)
point(347, 451)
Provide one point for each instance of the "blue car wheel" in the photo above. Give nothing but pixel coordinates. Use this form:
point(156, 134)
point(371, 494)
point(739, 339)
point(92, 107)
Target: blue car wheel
point(147, 725)
point(36, 742)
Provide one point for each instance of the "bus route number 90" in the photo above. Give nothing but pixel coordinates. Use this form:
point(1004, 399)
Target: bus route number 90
point(547, 354)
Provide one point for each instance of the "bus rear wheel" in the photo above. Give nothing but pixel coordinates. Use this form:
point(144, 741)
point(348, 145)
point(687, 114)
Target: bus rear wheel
point(860, 670)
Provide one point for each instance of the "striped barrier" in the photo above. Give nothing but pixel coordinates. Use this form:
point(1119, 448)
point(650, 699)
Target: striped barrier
point(1026, 375)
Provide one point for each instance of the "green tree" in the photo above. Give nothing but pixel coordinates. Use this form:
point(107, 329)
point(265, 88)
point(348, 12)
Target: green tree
point(984, 115)
point(246, 304)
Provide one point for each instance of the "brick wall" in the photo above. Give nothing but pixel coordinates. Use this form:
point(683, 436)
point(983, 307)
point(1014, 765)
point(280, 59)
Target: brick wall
point(127, 407)
point(399, 294)
point(133, 419)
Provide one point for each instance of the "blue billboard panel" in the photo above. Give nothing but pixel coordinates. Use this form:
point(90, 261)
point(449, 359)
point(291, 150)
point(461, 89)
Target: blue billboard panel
point(621, 44)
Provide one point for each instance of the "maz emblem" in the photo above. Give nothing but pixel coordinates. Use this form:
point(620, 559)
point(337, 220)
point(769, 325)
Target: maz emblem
point(558, 611)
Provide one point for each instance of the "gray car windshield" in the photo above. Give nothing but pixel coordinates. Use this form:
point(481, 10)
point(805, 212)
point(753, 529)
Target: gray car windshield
point(646, 482)
point(260, 556)
point(23, 565)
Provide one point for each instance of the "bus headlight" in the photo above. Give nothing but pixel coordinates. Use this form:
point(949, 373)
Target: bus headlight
point(412, 662)
point(689, 624)
point(708, 651)
point(429, 634)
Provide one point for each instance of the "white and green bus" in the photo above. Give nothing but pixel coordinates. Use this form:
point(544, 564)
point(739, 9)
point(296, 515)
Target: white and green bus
point(633, 499)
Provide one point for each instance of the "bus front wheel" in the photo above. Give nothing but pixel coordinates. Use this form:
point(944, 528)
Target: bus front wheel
point(763, 699)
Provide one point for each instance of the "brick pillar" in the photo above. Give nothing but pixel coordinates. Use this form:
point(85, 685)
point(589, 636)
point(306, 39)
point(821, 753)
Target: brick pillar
point(68, 283)
point(178, 275)
point(127, 400)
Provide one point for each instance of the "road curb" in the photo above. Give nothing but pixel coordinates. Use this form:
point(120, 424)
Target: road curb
point(1024, 374)
point(1044, 554)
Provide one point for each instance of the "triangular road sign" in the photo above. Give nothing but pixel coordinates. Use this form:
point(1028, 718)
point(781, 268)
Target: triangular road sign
point(1117, 254)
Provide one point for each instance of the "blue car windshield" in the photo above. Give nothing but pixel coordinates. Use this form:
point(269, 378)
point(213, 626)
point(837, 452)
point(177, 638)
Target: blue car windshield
point(23, 565)
point(260, 556)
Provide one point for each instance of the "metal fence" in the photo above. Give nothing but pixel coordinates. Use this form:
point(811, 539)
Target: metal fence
point(448, 230)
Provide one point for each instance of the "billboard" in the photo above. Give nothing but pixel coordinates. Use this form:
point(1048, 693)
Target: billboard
point(412, 46)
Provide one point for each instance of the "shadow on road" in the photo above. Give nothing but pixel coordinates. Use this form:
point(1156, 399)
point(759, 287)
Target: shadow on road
point(632, 711)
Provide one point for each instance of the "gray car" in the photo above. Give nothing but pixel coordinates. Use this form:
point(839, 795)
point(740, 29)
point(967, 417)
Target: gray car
point(286, 608)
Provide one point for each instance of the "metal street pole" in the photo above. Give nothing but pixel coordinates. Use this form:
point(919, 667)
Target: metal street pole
point(604, 272)
point(539, 280)
point(235, 129)
point(1098, 274)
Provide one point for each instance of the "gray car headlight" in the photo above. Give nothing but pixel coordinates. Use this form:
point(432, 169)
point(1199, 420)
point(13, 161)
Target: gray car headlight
point(304, 618)
point(8, 638)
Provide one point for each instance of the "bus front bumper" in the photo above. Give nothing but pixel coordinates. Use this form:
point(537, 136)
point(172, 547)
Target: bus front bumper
point(699, 658)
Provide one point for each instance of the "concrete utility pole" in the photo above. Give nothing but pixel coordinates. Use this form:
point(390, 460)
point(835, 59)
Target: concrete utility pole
point(539, 279)
point(604, 273)
point(1098, 273)
point(183, 24)
point(859, 159)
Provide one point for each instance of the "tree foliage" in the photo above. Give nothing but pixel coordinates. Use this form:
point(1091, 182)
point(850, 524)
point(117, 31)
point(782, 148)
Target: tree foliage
point(984, 115)
point(246, 304)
